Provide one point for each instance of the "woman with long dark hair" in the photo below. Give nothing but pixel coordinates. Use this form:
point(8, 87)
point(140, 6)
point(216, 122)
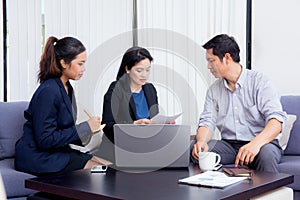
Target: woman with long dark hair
point(51, 115)
point(130, 99)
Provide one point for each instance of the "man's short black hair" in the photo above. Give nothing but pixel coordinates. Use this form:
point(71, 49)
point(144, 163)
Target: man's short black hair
point(222, 44)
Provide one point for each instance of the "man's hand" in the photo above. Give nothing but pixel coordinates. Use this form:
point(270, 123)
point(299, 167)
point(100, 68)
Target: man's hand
point(202, 137)
point(199, 147)
point(246, 154)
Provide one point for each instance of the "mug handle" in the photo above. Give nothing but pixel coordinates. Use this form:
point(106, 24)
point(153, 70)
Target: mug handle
point(218, 159)
point(218, 165)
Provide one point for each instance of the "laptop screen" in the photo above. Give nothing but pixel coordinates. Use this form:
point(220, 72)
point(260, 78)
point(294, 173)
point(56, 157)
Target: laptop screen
point(152, 146)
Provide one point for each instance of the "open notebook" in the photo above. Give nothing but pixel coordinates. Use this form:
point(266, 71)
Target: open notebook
point(214, 179)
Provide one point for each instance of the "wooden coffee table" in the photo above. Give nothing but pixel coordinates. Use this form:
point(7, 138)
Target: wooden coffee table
point(161, 184)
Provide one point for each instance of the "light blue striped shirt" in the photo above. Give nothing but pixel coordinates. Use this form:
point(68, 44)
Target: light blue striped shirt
point(241, 114)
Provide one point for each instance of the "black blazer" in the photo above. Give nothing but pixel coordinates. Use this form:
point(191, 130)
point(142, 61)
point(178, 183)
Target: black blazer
point(119, 106)
point(49, 129)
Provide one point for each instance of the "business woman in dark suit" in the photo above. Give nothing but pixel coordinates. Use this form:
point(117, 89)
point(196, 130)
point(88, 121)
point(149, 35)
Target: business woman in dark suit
point(51, 115)
point(130, 99)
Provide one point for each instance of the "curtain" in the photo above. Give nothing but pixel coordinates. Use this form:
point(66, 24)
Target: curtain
point(31, 22)
point(174, 31)
point(24, 42)
point(104, 27)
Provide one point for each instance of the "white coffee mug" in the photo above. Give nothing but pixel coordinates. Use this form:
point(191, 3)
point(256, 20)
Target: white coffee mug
point(209, 161)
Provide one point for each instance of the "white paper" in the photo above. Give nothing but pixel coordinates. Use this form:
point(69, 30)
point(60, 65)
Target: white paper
point(91, 146)
point(162, 119)
point(211, 179)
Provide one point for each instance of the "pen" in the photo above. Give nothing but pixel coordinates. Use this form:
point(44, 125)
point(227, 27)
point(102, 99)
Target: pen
point(88, 114)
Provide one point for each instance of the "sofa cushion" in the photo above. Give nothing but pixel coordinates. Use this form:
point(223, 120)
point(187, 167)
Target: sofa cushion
point(14, 181)
point(11, 126)
point(291, 105)
point(290, 165)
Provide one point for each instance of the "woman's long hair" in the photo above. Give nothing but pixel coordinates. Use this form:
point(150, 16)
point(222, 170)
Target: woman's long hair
point(54, 51)
point(131, 57)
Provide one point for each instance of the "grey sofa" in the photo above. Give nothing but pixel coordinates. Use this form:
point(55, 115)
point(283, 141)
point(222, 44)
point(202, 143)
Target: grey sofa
point(12, 120)
point(290, 162)
point(11, 125)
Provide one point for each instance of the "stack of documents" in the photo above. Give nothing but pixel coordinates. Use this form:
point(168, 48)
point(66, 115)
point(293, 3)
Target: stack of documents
point(162, 119)
point(211, 179)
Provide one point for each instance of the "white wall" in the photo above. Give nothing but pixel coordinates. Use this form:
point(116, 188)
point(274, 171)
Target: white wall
point(276, 42)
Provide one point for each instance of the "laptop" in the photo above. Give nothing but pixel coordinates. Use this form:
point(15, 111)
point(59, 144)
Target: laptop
point(152, 146)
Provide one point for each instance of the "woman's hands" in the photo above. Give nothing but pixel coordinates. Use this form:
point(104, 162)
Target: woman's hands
point(149, 121)
point(143, 121)
point(171, 122)
point(95, 124)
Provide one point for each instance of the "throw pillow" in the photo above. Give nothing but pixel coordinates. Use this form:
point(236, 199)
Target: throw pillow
point(11, 126)
point(287, 130)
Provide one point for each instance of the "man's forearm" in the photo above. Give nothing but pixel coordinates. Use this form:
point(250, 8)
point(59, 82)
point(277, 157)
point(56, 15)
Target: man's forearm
point(269, 133)
point(203, 134)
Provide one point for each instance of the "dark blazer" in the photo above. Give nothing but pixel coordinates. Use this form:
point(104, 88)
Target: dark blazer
point(49, 129)
point(119, 106)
